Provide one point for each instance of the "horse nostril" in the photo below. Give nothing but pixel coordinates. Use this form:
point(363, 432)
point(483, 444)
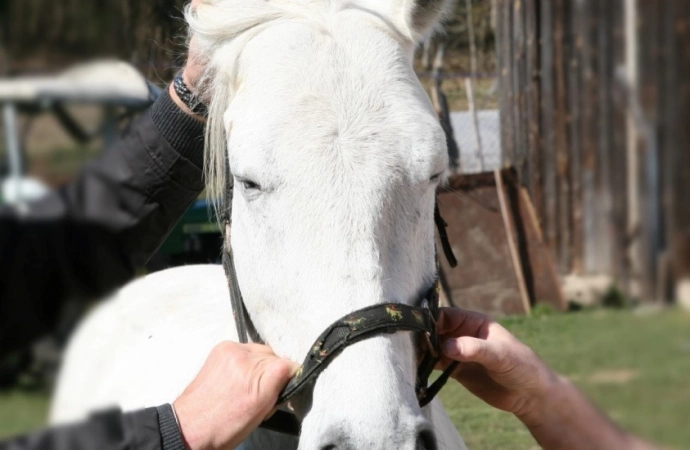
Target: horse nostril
point(426, 440)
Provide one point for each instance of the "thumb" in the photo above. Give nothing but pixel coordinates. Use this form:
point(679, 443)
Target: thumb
point(469, 349)
point(279, 373)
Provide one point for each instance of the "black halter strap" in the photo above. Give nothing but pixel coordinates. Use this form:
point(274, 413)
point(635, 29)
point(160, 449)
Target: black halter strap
point(357, 326)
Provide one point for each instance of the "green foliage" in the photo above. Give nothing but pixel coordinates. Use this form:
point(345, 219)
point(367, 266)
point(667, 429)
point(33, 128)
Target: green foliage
point(616, 299)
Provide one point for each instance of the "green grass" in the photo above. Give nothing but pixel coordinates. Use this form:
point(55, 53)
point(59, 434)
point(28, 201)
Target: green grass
point(635, 367)
point(21, 411)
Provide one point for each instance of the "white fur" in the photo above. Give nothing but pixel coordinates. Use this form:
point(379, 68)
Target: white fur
point(317, 102)
point(121, 355)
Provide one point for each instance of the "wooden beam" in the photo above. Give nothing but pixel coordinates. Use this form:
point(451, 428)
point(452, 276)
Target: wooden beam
point(512, 246)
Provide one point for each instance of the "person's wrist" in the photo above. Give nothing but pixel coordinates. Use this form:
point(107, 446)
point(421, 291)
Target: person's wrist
point(545, 401)
point(189, 80)
point(192, 435)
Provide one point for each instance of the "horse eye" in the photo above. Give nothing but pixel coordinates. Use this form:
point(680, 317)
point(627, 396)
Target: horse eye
point(435, 178)
point(249, 185)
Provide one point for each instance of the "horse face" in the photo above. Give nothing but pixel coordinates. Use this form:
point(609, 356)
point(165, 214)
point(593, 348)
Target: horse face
point(336, 153)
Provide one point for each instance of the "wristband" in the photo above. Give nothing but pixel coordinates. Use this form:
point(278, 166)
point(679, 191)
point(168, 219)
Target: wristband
point(188, 97)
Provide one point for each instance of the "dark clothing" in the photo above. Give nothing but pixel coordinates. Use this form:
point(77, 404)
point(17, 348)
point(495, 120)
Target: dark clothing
point(105, 431)
point(90, 237)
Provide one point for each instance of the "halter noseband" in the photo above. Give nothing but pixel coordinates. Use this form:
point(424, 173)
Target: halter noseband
point(354, 327)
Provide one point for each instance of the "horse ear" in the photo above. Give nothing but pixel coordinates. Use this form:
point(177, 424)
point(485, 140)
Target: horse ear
point(415, 18)
point(424, 15)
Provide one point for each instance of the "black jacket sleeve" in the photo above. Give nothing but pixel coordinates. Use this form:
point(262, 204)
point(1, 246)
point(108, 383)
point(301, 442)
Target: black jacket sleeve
point(93, 234)
point(148, 429)
point(90, 237)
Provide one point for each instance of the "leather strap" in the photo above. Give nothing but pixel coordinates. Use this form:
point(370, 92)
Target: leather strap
point(355, 327)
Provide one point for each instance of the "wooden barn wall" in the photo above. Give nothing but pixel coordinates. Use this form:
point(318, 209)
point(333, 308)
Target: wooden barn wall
point(595, 117)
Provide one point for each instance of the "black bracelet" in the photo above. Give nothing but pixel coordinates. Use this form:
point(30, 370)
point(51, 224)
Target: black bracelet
point(190, 100)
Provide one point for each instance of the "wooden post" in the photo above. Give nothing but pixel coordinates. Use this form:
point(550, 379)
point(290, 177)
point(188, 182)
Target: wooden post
point(469, 85)
point(512, 246)
point(633, 166)
point(573, 66)
point(550, 217)
point(677, 213)
point(532, 176)
point(563, 208)
point(504, 49)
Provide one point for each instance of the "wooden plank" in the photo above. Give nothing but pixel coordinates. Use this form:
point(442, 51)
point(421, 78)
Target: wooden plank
point(563, 208)
point(590, 128)
point(618, 155)
point(512, 245)
point(518, 84)
point(542, 274)
point(647, 123)
point(633, 189)
point(575, 77)
point(504, 50)
point(605, 67)
point(678, 86)
point(532, 177)
point(484, 279)
point(549, 218)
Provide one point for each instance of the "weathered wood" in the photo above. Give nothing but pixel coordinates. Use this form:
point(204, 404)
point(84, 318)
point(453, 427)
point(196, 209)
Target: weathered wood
point(484, 279)
point(677, 151)
point(575, 77)
point(547, 125)
point(647, 122)
point(618, 155)
point(599, 108)
point(504, 49)
point(604, 149)
point(539, 268)
point(532, 173)
point(563, 205)
point(518, 84)
point(512, 245)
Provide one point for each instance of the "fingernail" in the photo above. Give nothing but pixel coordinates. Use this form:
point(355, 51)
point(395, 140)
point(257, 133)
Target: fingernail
point(450, 348)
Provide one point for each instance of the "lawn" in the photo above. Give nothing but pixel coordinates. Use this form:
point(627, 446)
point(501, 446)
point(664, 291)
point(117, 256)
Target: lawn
point(635, 366)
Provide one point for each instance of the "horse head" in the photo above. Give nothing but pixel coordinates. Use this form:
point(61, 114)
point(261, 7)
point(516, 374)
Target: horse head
point(335, 153)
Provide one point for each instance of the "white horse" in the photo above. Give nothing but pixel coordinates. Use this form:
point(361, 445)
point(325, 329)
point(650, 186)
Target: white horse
point(336, 154)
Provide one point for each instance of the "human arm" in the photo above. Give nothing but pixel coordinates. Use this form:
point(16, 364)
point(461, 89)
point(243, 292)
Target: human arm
point(93, 234)
point(236, 389)
point(506, 374)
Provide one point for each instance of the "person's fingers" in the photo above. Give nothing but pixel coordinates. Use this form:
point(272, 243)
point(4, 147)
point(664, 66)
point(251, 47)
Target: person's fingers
point(456, 322)
point(469, 349)
point(257, 348)
point(282, 370)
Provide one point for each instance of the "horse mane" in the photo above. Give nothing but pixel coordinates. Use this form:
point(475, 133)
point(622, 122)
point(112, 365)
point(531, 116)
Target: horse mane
point(219, 29)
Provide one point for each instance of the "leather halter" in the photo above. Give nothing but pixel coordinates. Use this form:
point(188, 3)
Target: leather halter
point(354, 327)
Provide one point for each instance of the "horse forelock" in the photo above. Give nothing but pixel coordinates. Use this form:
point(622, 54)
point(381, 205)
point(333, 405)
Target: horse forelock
point(222, 28)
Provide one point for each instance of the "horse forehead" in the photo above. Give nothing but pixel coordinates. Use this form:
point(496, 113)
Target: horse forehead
point(305, 105)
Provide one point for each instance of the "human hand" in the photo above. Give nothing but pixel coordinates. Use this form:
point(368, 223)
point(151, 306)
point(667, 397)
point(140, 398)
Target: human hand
point(236, 390)
point(508, 375)
point(193, 70)
point(496, 367)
